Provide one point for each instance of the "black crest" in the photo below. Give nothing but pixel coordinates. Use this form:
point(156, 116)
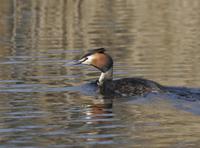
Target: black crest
point(98, 50)
point(93, 51)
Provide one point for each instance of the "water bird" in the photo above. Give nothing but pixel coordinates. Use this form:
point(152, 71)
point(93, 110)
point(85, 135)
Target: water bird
point(123, 87)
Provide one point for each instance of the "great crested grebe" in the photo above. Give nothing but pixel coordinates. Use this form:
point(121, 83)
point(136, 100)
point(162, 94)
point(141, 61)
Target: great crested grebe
point(123, 87)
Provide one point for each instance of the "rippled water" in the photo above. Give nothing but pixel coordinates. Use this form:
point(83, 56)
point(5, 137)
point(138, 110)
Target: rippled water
point(46, 102)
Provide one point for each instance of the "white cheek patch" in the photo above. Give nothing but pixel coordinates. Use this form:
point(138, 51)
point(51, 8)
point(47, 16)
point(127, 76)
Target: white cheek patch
point(81, 60)
point(88, 61)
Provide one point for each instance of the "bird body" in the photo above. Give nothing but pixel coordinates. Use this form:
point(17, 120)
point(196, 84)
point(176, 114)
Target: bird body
point(123, 87)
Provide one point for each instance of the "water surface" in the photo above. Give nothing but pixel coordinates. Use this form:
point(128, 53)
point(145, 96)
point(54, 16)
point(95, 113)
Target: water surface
point(45, 101)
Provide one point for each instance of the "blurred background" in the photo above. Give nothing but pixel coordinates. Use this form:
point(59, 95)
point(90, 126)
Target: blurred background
point(154, 39)
point(41, 104)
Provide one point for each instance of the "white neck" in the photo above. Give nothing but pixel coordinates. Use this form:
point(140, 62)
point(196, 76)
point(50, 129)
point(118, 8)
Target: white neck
point(108, 75)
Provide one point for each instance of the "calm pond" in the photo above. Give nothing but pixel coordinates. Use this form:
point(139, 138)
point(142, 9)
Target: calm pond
point(45, 100)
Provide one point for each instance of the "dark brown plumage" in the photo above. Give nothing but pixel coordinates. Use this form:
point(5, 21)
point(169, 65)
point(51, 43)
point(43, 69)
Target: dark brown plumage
point(130, 87)
point(123, 87)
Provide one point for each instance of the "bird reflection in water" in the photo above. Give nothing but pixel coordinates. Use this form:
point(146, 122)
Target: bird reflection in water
point(100, 123)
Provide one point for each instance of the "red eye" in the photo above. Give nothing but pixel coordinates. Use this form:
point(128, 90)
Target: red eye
point(85, 59)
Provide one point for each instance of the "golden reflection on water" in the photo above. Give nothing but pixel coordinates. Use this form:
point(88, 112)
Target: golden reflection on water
point(158, 40)
point(155, 39)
